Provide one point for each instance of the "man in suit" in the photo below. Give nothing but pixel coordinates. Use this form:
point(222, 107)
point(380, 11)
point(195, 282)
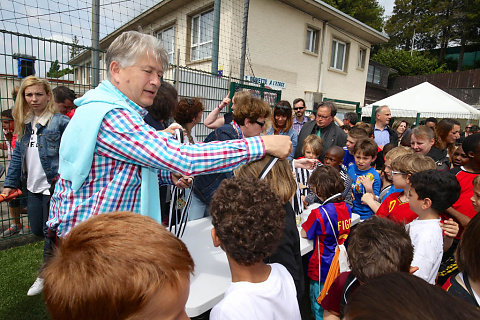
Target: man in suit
point(324, 127)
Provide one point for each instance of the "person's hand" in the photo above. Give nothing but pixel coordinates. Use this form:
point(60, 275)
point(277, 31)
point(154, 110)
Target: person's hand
point(225, 102)
point(305, 163)
point(182, 182)
point(367, 198)
point(305, 204)
point(277, 145)
point(7, 191)
point(172, 127)
point(450, 228)
point(367, 183)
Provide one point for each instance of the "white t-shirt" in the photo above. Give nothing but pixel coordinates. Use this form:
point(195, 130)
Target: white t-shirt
point(36, 179)
point(427, 241)
point(275, 298)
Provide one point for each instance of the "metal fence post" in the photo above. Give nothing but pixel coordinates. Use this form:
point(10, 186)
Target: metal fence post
point(216, 35)
point(95, 72)
point(372, 120)
point(246, 6)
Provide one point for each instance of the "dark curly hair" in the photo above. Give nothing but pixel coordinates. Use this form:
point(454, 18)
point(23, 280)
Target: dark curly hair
point(165, 102)
point(248, 218)
point(187, 110)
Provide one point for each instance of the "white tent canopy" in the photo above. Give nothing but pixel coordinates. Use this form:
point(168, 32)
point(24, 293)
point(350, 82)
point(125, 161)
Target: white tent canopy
point(427, 99)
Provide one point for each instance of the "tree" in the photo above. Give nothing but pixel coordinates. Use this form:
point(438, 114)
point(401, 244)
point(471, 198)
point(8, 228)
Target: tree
point(410, 25)
point(366, 11)
point(74, 49)
point(55, 72)
point(409, 63)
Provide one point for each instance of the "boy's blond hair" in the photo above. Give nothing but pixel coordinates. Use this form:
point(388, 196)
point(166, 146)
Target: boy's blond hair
point(315, 143)
point(397, 152)
point(111, 265)
point(413, 163)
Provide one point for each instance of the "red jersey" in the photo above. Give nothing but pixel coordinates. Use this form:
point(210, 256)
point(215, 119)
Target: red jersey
point(319, 229)
point(464, 204)
point(396, 210)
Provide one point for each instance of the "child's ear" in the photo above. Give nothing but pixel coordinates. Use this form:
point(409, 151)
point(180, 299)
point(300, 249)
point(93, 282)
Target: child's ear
point(470, 154)
point(374, 158)
point(408, 178)
point(427, 203)
point(215, 239)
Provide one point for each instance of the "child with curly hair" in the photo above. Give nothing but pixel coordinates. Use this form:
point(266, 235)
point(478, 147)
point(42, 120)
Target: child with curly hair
point(248, 221)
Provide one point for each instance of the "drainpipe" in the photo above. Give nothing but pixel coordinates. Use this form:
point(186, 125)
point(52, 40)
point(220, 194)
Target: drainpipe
point(322, 49)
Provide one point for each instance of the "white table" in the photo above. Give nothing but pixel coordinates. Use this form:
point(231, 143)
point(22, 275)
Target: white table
point(212, 273)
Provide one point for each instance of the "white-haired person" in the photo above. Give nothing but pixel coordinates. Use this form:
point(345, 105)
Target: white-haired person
point(39, 128)
point(120, 160)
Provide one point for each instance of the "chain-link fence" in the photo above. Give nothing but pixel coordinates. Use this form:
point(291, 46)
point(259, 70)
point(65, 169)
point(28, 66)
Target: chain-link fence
point(52, 39)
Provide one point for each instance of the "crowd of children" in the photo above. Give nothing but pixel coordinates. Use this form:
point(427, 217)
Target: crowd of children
point(417, 206)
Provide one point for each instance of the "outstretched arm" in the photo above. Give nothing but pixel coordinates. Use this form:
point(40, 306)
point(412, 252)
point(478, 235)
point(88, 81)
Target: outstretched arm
point(214, 120)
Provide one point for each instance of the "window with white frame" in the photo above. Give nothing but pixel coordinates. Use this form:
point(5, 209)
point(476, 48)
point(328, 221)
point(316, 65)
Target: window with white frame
point(167, 37)
point(362, 53)
point(339, 51)
point(311, 43)
point(202, 36)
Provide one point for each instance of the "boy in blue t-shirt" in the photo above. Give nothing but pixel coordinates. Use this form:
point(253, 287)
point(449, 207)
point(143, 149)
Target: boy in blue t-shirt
point(355, 134)
point(365, 152)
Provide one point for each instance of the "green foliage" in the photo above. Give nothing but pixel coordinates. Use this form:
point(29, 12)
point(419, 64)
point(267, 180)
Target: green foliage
point(55, 71)
point(427, 24)
point(366, 11)
point(409, 64)
point(19, 270)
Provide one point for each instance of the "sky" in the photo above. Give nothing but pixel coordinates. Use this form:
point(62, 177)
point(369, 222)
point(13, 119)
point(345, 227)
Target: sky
point(387, 5)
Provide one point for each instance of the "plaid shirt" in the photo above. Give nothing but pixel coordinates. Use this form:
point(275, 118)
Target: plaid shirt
point(297, 126)
point(125, 144)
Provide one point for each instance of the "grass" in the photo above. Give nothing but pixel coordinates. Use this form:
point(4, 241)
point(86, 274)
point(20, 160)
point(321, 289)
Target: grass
point(19, 268)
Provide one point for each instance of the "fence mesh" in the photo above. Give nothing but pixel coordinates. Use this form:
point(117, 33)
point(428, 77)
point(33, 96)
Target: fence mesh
point(55, 39)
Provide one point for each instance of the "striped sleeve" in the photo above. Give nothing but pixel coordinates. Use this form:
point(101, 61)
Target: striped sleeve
point(126, 137)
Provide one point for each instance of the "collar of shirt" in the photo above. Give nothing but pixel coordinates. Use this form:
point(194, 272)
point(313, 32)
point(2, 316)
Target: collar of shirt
point(43, 119)
point(142, 111)
point(378, 129)
point(305, 120)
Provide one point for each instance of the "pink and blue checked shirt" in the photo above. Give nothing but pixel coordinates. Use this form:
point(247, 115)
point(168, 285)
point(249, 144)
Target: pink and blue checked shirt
point(125, 143)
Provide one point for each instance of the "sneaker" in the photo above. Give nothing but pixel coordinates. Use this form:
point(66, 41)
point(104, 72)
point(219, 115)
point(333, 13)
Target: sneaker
point(36, 288)
point(25, 230)
point(14, 229)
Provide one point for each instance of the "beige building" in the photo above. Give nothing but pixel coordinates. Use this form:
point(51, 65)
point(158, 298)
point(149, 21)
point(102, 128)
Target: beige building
point(305, 47)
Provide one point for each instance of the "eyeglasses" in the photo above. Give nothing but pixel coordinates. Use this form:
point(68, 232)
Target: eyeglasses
point(300, 108)
point(399, 172)
point(323, 117)
point(261, 124)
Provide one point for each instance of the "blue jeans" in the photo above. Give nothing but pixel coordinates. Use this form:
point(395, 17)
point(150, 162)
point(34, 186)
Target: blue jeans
point(197, 209)
point(38, 207)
